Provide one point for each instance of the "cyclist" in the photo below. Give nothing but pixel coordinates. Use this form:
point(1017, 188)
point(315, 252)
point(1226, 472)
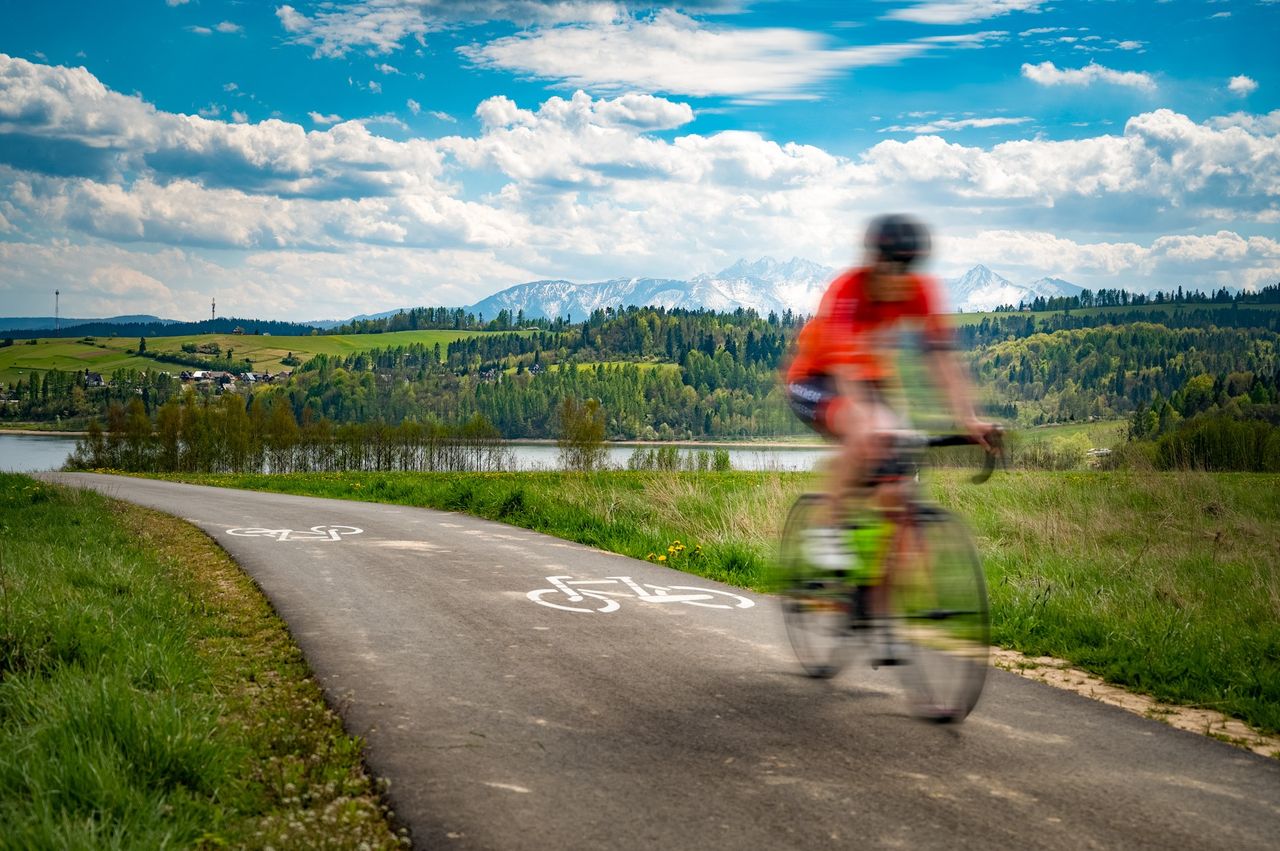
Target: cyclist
point(836, 381)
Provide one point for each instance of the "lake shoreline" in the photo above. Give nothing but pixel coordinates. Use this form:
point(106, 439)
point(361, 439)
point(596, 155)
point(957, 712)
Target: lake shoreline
point(548, 441)
point(40, 431)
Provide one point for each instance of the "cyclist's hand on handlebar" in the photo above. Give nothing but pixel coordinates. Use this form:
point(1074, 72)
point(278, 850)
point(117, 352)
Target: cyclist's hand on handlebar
point(985, 434)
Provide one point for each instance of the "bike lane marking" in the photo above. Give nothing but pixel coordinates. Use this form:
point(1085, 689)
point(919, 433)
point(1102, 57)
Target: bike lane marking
point(580, 591)
point(315, 533)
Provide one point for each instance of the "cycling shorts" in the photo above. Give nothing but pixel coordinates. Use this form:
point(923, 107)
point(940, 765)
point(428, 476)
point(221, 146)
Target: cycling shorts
point(815, 398)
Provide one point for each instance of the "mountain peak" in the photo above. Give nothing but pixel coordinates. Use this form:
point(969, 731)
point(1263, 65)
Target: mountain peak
point(769, 269)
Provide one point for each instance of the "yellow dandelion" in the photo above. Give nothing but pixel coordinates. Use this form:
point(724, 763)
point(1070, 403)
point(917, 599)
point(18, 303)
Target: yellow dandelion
point(662, 558)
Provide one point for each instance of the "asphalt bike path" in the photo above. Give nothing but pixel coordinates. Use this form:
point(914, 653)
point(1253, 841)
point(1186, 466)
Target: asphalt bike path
point(643, 717)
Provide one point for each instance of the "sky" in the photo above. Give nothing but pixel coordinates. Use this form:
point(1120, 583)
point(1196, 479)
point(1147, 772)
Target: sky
point(321, 160)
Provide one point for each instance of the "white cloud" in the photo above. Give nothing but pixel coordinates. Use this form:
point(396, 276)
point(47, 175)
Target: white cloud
point(584, 187)
point(375, 87)
point(1206, 261)
point(122, 281)
point(177, 2)
point(200, 30)
point(230, 87)
point(295, 285)
point(413, 105)
point(320, 118)
point(239, 117)
point(229, 27)
point(386, 69)
point(387, 118)
point(382, 26)
point(443, 116)
point(1242, 85)
point(671, 52)
point(101, 133)
point(969, 40)
point(1211, 260)
point(944, 124)
point(961, 11)
point(1048, 74)
point(379, 27)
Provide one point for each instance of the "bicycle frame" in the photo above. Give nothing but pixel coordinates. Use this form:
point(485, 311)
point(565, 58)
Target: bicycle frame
point(901, 470)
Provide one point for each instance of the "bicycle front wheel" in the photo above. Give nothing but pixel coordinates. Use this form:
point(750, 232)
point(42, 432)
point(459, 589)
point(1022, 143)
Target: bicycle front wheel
point(815, 602)
point(939, 599)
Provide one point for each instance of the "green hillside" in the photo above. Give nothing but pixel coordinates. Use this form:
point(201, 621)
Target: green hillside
point(1121, 313)
point(106, 354)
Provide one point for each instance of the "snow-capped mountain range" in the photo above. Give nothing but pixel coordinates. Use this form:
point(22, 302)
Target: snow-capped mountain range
point(982, 289)
point(765, 285)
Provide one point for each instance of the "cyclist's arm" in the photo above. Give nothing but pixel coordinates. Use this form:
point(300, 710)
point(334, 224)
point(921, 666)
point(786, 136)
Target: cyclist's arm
point(952, 376)
point(948, 370)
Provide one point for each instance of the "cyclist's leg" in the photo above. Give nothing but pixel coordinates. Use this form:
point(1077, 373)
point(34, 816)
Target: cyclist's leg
point(860, 420)
point(847, 412)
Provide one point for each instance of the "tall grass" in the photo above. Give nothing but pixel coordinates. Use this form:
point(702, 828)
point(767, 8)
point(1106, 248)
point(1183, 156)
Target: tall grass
point(1168, 583)
point(134, 702)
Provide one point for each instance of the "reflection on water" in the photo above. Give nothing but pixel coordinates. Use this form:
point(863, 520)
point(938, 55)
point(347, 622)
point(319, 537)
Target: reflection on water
point(25, 453)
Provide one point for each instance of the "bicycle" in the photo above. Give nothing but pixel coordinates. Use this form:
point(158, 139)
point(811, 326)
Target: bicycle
point(918, 589)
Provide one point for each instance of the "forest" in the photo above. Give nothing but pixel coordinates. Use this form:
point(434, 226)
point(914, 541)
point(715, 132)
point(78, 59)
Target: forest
point(1186, 378)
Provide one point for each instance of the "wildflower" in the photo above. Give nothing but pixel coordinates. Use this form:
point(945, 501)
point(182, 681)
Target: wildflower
point(662, 558)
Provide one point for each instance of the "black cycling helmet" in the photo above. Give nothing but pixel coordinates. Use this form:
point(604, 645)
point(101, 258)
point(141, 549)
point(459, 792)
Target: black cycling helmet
point(898, 239)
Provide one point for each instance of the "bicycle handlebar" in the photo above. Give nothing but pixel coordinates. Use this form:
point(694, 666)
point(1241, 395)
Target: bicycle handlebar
point(995, 444)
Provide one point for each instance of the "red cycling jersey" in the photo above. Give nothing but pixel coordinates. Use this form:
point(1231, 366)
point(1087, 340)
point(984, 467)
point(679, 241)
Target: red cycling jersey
point(849, 332)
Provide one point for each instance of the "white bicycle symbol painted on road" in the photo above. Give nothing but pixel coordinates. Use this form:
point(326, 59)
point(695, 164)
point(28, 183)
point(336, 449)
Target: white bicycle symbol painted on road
point(595, 599)
point(315, 533)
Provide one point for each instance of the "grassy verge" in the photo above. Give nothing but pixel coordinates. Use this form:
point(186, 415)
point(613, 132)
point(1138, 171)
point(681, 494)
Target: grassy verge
point(1168, 584)
point(149, 697)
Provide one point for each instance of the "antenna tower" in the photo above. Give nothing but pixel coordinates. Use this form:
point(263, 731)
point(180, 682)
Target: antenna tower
point(57, 313)
point(213, 309)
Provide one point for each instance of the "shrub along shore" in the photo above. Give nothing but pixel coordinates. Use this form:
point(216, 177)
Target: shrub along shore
point(149, 696)
point(1166, 583)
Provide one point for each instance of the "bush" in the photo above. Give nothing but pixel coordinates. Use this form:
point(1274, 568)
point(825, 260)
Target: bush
point(581, 439)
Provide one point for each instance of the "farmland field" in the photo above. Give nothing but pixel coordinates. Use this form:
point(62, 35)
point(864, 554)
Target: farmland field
point(106, 354)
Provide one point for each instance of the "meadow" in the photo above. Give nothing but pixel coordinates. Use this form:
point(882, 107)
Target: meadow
point(106, 354)
point(1165, 583)
point(149, 696)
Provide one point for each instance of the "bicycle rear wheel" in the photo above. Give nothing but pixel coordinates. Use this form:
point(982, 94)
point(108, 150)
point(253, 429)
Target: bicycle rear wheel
point(939, 600)
point(816, 604)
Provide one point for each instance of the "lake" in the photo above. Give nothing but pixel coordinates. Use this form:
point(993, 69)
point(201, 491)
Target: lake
point(25, 453)
point(30, 453)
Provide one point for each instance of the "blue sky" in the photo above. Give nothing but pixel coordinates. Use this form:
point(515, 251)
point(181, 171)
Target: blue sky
point(324, 159)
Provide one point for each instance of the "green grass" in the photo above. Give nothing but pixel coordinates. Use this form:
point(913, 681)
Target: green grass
point(106, 354)
point(1168, 584)
point(1103, 434)
point(21, 360)
point(149, 697)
